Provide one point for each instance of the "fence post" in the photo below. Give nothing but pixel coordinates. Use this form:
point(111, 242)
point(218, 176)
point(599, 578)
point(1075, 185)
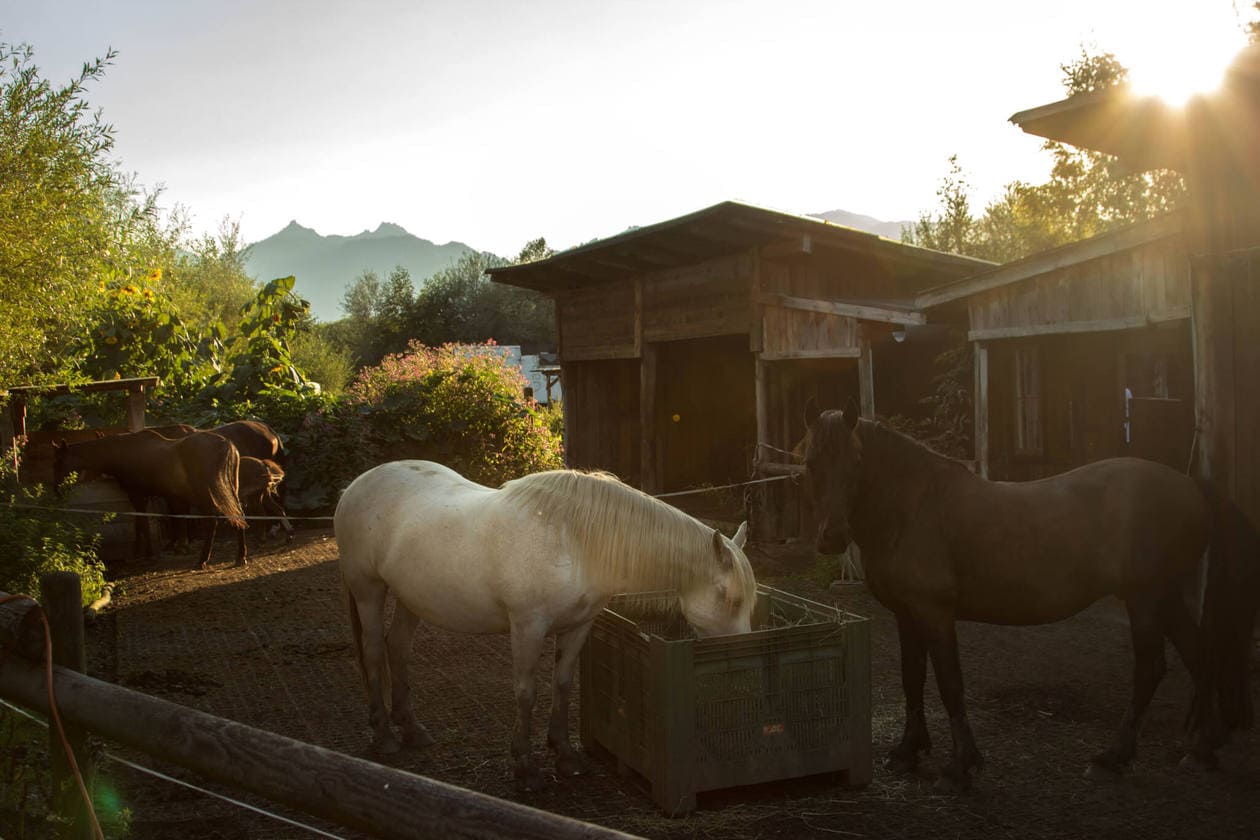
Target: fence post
point(62, 596)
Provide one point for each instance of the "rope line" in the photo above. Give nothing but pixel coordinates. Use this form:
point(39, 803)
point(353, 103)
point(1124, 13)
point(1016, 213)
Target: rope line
point(723, 486)
point(164, 777)
point(22, 506)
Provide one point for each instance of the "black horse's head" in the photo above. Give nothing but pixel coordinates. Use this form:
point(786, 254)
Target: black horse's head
point(833, 459)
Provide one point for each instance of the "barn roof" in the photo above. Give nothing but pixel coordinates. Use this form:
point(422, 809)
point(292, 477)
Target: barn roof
point(1144, 131)
point(724, 228)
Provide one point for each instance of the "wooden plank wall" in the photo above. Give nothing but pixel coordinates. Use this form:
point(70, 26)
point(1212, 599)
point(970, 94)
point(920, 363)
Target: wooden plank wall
point(800, 334)
point(597, 323)
point(1150, 282)
point(698, 301)
point(1081, 398)
point(601, 408)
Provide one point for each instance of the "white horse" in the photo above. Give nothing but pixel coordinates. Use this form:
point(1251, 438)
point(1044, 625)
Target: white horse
point(541, 555)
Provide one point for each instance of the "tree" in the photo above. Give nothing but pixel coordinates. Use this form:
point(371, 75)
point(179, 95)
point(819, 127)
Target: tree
point(209, 283)
point(1088, 193)
point(66, 216)
point(953, 230)
point(461, 304)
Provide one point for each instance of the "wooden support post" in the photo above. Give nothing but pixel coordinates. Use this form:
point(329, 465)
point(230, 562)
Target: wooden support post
point(135, 408)
point(762, 457)
point(649, 480)
point(17, 413)
point(61, 593)
point(866, 378)
point(980, 403)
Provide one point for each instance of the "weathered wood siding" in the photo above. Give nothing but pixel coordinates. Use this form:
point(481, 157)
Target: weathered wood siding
point(597, 322)
point(699, 301)
point(1083, 377)
point(801, 334)
point(1147, 284)
point(601, 413)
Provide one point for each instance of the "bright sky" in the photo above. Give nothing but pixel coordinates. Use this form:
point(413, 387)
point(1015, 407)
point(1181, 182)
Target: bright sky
point(494, 123)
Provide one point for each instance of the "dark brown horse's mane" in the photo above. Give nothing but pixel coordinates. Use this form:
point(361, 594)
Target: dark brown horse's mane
point(904, 450)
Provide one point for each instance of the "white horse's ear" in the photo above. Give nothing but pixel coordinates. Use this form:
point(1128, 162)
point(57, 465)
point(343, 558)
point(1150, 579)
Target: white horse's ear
point(741, 535)
point(719, 546)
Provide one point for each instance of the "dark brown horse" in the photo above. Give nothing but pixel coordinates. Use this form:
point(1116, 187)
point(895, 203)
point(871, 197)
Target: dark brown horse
point(197, 471)
point(260, 481)
point(251, 437)
point(940, 544)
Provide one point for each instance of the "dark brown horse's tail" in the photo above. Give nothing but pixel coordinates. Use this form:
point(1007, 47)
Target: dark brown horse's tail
point(214, 467)
point(1230, 601)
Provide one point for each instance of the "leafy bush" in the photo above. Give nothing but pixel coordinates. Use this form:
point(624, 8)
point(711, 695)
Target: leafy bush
point(40, 541)
point(461, 404)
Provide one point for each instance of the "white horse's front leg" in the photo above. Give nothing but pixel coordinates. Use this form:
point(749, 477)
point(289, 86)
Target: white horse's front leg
point(569, 761)
point(527, 643)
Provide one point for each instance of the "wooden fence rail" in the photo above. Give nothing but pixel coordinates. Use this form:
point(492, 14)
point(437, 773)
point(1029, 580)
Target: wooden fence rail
point(349, 791)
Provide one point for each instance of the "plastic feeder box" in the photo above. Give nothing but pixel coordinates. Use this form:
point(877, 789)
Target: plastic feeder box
point(792, 698)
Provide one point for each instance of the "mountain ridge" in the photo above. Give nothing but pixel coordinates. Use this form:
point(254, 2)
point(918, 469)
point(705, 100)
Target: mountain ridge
point(326, 265)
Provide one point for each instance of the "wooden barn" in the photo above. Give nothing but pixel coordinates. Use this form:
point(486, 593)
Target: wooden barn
point(1081, 353)
point(1214, 141)
point(689, 347)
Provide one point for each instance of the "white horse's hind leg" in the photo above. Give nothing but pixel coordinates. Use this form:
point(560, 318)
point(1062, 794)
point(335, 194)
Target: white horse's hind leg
point(398, 645)
point(527, 644)
point(569, 761)
point(369, 597)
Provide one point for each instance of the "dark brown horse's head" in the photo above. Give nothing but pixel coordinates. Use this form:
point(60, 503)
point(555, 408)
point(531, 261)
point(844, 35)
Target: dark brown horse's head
point(832, 452)
point(62, 466)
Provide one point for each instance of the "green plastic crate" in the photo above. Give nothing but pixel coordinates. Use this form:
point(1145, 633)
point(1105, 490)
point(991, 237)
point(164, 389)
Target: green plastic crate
point(790, 699)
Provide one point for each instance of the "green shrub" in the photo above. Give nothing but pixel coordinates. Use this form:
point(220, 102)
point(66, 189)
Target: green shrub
point(40, 541)
point(460, 404)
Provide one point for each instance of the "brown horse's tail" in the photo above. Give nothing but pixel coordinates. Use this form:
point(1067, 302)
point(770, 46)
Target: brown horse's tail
point(1230, 600)
point(214, 467)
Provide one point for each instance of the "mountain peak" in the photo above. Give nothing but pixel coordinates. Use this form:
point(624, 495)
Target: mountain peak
point(384, 230)
point(294, 229)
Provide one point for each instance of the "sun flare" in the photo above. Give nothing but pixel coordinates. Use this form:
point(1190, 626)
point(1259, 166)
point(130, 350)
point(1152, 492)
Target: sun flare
point(1177, 72)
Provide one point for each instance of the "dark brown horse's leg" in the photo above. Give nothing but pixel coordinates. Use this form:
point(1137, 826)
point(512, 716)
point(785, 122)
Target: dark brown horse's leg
point(905, 755)
point(569, 761)
point(212, 525)
point(142, 540)
point(1206, 730)
point(1148, 669)
point(398, 648)
point(942, 644)
point(242, 553)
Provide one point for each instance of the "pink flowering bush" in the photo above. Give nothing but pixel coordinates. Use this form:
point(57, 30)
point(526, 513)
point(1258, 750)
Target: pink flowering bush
point(460, 404)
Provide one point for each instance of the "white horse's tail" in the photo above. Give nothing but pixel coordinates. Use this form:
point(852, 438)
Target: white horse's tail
point(356, 638)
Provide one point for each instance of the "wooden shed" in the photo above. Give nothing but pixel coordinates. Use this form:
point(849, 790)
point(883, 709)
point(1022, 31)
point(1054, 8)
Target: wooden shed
point(689, 347)
point(1081, 353)
point(1214, 141)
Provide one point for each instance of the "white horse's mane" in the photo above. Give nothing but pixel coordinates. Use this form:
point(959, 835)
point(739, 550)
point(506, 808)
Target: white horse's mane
point(625, 533)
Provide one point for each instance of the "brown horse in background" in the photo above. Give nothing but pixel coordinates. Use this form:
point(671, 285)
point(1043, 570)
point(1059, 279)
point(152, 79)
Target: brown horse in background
point(199, 470)
point(941, 544)
point(260, 481)
point(251, 437)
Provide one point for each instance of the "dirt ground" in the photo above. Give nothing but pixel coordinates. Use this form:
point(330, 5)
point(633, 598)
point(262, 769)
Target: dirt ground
point(268, 645)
